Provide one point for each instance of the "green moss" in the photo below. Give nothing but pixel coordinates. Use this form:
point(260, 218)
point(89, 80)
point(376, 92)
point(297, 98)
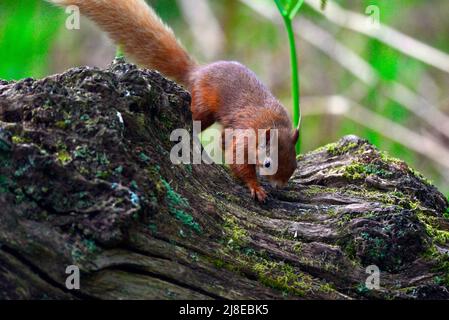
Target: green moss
point(350, 249)
point(144, 158)
point(84, 171)
point(166, 121)
point(357, 171)
point(441, 264)
point(118, 170)
point(277, 275)
point(153, 228)
point(362, 289)
point(396, 198)
point(194, 256)
point(431, 224)
point(140, 122)
point(4, 184)
point(20, 140)
point(176, 206)
point(20, 196)
point(64, 157)
point(102, 159)
point(218, 263)
point(314, 190)
point(81, 152)
point(283, 277)
point(5, 142)
point(327, 288)
point(385, 157)
point(372, 195)
point(133, 185)
point(154, 175)
point(63, 124)
point(332, 212)
point(378, 171)
point(85, 117)
point(335, 149)
point(173, 197)
point(103, 174)
point(377, 247)
point(90, 245)
point(354, 171)
point(391, 160)
point(237, 237)
point(446, 214)
point(420, 176)
point(297, 247)
point(21, 171)
point(77, 255)
point(329, 148)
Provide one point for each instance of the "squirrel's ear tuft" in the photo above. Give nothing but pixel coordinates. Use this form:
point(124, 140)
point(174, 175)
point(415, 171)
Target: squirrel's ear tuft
point(295, 136)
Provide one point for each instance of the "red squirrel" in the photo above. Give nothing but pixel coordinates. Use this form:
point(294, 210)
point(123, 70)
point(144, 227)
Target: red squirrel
point(224, 91)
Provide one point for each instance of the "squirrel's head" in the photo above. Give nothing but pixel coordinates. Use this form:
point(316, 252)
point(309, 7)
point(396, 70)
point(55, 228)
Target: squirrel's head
point(280, 156)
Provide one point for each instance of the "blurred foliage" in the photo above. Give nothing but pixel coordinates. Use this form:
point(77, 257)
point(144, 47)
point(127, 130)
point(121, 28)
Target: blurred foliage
point(29, 29)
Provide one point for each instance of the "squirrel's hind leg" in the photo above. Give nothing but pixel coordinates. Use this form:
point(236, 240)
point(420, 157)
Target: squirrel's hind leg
point(205, 104)
point(203, 115)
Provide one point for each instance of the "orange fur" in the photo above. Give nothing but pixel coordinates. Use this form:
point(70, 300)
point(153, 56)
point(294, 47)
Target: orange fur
point(205, 103)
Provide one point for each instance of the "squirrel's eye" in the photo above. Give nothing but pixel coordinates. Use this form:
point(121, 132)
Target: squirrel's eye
point(267, 163)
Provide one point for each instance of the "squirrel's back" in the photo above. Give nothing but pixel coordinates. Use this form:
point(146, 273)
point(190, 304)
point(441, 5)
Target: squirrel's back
point(141, 34)
point(236, 96)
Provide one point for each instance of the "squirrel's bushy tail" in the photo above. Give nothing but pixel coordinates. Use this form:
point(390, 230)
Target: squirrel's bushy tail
point(140, 33)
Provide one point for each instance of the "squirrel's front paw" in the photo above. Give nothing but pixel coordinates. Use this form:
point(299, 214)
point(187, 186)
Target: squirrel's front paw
point(258, 193)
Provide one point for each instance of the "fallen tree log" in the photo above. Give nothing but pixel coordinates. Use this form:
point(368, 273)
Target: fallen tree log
point(86, 180)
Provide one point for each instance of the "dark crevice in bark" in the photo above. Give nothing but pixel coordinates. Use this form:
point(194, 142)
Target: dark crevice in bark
point(129, 268)
point(44, 276)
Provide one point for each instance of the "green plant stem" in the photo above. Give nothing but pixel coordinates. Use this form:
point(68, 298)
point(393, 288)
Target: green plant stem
point(295, 80)
point(119, 52)
point(288, 14)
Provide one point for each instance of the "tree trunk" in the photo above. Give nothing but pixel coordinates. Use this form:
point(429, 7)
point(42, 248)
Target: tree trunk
point(86, 180)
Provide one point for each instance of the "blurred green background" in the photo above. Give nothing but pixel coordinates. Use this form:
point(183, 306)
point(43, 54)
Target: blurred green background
point(403, 111)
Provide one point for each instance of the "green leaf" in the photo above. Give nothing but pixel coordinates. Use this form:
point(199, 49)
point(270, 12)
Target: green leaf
point(289, 8)
point(323, 4)
point(295, 6)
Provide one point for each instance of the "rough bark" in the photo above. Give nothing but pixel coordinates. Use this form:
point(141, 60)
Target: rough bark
point(80, 187)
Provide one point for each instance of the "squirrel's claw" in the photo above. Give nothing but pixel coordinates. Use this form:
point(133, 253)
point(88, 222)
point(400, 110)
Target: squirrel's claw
point(259, 194)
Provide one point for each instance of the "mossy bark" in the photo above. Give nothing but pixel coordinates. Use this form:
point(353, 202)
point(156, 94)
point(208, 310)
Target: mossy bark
point(86, 180)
